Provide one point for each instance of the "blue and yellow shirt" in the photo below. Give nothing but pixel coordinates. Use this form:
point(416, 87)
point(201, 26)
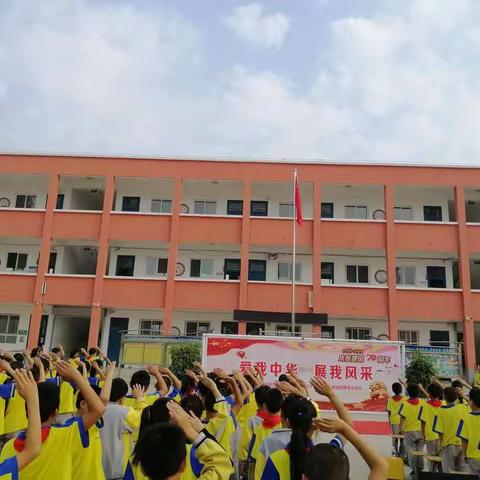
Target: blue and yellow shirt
point(446, 423)
point(9, 469)
point(469, 430)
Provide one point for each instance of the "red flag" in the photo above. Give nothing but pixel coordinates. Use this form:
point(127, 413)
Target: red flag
point(298, 203)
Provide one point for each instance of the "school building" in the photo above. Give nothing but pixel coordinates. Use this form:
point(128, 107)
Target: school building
point(93, 246)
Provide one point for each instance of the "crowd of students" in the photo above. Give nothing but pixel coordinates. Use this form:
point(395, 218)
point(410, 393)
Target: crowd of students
point(74, 418)
point(445, 423)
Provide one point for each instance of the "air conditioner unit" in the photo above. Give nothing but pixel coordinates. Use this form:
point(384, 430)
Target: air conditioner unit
point(310, 299)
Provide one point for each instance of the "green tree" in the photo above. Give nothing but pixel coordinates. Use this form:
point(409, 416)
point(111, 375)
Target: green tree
point(421, 369)
point(183, 355)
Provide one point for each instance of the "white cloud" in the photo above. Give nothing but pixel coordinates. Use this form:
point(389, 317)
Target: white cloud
point(253, 24)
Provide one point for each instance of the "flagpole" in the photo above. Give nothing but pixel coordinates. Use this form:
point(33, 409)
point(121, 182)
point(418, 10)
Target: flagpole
point(294, 248)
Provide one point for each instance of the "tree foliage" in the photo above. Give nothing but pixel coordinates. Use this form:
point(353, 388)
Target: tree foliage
point(421, 369)
point(183, 355)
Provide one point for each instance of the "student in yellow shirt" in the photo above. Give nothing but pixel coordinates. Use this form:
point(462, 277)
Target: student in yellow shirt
point(410, 425)
point(469, 433)
point(58, 442)
point(15, 413)
point(161, 451)
point(446, 424)
point(393, 406)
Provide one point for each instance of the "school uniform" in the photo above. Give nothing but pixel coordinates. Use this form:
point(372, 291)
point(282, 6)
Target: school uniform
point(469, 431)
point(393, 407)
point(222, 426)
point(412, 427)
point(9, 469)
point(427, 414)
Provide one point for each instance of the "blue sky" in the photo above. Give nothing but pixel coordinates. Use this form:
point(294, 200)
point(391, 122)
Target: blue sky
point(343, 80)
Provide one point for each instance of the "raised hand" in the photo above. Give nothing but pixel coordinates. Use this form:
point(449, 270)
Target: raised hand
point(330, 425)
point(322, 387)
point(138, 392)
point(67, 372)
point(192, 374)
point(200, 368)
point(25, 385)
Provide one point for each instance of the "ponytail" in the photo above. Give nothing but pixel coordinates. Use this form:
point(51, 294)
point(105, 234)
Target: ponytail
point(153, 414)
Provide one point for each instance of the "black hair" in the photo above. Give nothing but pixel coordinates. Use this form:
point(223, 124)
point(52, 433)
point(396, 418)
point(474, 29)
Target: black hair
point(119, 389)
point(19, 357)
point(474, 396)
point(435, 391)
point(160, 451)
point(155, 413)
point(14, 366)
point(397, 388)
point(300, 415)
point(273, 400)
point(326, 461)
point(167, 380)
point(412, 390)
point(193, 403)
point(450, 394)
point(188, 383)
point(34, 353)
point(36, 371)
point(55, 350)
point(80, 398)
point(287, 402)
point(208, 397)
point(283, 378)
point(92, 351)
point(142, 378)
point(74, 352)
point(49, 399)
point(260, 394)
point(457, 384)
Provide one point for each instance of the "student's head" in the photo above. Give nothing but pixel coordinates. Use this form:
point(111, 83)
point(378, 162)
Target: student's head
point(300, 415)
point(457, 384)
point(326, 461)
point(450, 394)
point(88, 367)
point(155, 413)
point(142, 378)
point(283, 378)
point(285, 406)
point(15, 366)
point(412, 390)
point(36, 371)
point(35, 352)
point(49, 400)
point(19, 357)
point(167, 380)
point(207, 397)
point(161, 451)
point(81, 404)
point(188, 386)
point(74, 353)
point(55, 350)
point(397, 388)
point(92, 351)
point(435, 391)
point(260, 395)
point(474, 396)
point(193, 403)
point(273, 400)
point(119, 390)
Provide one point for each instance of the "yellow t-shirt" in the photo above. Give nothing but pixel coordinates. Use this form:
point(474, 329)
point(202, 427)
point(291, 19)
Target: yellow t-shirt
point(260, 433)
point(56, 456)
point(7, 391)
point(410, 410)
point(15, 415)
point(221, 426)
point(67, 398)
point(427, 414)
point(393, 407)
point(469, 430)
point(446, 422)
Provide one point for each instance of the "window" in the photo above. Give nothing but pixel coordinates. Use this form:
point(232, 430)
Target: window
point(403, 213)
point(436, 277)
point(258, 208)
point(234, 207)
point(201, 268)
point(432, 213)
point(257, 270)
point(439, 338)
point(405, 276)
point(204, 207)
point(161, 206)
point(328, 331)
point(60, 201)
point(150, 327)
point(231, 269)
point(156, 267)
point(286, 210)
point(125, 266)
point(354, 333)
point(327, 210)
point(328, 272)
point(26, 201)
point(356, 211)
point(130, 204)
point(286, 330)
point(9, 328)
point(196, 329)
point(255, 328)
point(357, 273)
point(16, 261)
point(285, 272)
point(229, 328)
point(410, 337)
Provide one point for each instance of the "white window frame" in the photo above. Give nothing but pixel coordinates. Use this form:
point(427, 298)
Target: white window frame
point(203, 263)
point(358, 332)
point(401, 277)
point(149, 261)
point(289, 206)
point(10, 335)
point(288, 278)
point(16, 269)
point(162, 201)
point(151, 331)
point(204, 325)
point(401, 209)
point(357, 207)
point(34, 195)
point(204, 204)
point(357, 282)
point(410, 337)
point(282, 329)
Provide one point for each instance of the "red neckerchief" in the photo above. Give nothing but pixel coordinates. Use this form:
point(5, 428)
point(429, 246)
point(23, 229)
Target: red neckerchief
point(19, 442)
point(435, 403)
point(269, 420)
point(397, 398)
point(413, 401)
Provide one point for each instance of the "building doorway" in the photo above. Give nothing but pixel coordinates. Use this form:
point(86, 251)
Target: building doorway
point(70, 332)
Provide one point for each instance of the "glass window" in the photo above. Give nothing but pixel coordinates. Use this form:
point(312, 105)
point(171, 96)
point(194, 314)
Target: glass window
point(125, 266)
point(257, 270)
point(9, 325)
point(328, 272)
point(130, 204)
point(231, 268)
point(255, 328)
point(286, 330)
point(229, 328)
point(3, 323)
point(436, 277)
point(357, 274)
point(432, 213)
point(161, 206)
point(405, 276)
point(439, 338)
point(410, 337)
point(258, 208)
point(403, 213)
point(203, 207)
point(201, 268)
point(17, 261)
point(286, 210)
point(358, 212)
point(285, 272)
point(328, 331)
point(25, 201)
point(162, 266)
point(60, 201)
point(195, 329)
point(234, 207)
point(150, 327)
point(354, 333)
point(327, 210)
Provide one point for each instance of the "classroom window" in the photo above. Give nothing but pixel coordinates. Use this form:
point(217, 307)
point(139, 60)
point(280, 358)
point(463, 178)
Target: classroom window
point(16, 261)
point(204, 207)
point(432, 213)
point(357, 273)
point(355, 333)
point(436, 277)
point(285, 272)
point(328, 272)
point(405, 276)
point(234, 207)
point(125, 266)
point(130, 204)
point(25, 201)
point(258, 208)
point(255, 328)
point(201, 268)
point(196, 329)
point(403, 213)
point(358, 212)
point(9, 328)
point(60, 201)
point(286, 330)
point(327, 210)
point(257, 270)
point(286, 210)
point(229, 328)
point(410, 337)
point(439, 338)
point(150, 327)
point(161, 206)
point(156, 267)
point(231, 269)
point(327, 331)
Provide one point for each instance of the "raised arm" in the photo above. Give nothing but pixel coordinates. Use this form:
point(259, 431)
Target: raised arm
point(107, 384)
point(162, 386)
point(175, 380)
point(422, 390)
point(41, 369)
